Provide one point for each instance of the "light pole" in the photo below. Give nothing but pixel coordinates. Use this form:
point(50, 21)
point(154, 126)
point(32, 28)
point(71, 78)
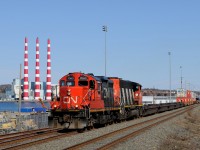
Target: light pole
point(181, 78)
point(20, 97)
point(169, 53)
point(105, 30)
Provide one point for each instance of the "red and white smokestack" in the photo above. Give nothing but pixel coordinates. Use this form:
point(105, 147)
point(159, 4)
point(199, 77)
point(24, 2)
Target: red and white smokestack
point(26, 87)
point(48, 79)
point(37, 71)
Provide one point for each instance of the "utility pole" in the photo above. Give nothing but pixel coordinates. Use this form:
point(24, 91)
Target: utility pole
point(181, 78)
point(105, 30)
point(20, 97)
point(169, 53)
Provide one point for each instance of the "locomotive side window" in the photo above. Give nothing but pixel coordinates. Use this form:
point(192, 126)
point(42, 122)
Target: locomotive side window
point(99, 88)
point(70, 83)
point(62, 83)
point(92, 84)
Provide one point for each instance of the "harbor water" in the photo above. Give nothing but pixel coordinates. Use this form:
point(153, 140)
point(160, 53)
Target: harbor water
point(13, 106)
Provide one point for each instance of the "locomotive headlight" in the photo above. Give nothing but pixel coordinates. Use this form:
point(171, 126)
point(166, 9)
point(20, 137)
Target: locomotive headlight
point(54, 106)
point(136, 94)
point(68, 92)
point(76, 106)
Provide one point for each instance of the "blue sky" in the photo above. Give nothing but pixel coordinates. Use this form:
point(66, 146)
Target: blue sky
point(140, 34)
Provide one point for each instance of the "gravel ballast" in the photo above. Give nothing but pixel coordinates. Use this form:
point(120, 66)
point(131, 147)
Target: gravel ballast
point(171, 133)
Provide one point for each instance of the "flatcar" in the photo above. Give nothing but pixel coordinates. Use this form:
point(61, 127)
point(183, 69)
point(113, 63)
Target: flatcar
point(86, 100)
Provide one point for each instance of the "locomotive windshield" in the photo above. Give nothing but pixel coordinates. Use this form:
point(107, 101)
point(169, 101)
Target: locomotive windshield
point(70, 83)
point(83, 83)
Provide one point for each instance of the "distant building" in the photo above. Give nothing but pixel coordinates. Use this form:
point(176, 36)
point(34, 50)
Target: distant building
point(55, 90)
point(14, 92)
point(15, 89)
point(32, 89)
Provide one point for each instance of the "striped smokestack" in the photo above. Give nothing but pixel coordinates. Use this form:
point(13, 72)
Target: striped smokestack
point(37, 71)
point(48, 80)
point(26, 88)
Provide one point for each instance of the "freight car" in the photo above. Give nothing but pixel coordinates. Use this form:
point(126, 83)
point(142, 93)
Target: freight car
point(86, 100)
point(187, 97)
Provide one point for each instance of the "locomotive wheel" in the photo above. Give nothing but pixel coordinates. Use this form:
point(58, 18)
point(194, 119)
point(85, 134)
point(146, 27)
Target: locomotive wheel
point(89, 127)
point(111, 122)
point(119, 121)
point(80, 130)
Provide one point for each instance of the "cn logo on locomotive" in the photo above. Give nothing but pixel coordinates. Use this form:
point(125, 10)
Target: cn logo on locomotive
point(69, 99)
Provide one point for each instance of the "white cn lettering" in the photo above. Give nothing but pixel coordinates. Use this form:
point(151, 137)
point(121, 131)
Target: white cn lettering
point(68, 100)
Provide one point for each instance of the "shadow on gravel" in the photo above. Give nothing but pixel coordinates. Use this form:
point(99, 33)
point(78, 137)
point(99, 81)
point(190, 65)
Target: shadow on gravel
point(65, 130)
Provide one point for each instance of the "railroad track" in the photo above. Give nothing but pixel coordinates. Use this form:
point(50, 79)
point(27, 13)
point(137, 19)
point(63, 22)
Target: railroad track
point(40, 137)
point(24, 139)
point(112, 139)
point(3, 136)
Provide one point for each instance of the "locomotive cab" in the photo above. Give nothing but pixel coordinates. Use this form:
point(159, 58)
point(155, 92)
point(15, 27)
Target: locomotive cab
point(78, 90)
point(81, 95)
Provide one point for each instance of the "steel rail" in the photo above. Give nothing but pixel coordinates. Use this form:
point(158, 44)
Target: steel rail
point(21, 133)
point(138, 132)
point(19, 138)
point(28, 133)
point(80, 145)
point(40, 141)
